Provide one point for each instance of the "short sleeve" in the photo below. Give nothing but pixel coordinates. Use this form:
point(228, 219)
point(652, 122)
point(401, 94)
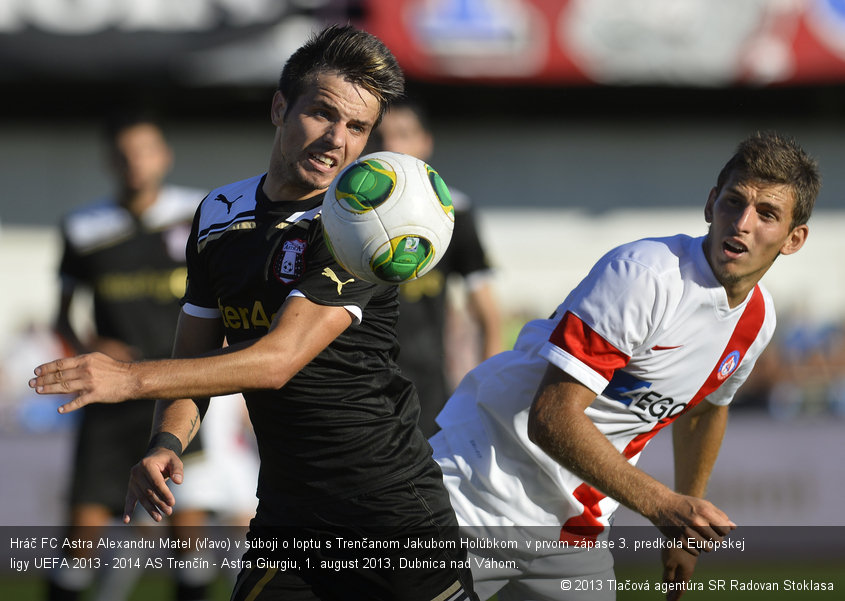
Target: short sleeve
point(198, 291)
point(605, 320)
point(325, 282)
point(71, 269)
point(620, 300)
point(467, 252)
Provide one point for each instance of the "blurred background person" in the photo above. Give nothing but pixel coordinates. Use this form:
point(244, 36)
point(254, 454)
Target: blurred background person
point(428, 325)
point(128, 251)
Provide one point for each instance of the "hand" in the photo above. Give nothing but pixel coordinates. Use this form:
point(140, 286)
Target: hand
point(148, 484)
point(678, 566)
point(692, 521)
point(94, 378)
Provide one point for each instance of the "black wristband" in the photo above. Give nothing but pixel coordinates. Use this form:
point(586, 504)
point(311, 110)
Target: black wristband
point(165, 440)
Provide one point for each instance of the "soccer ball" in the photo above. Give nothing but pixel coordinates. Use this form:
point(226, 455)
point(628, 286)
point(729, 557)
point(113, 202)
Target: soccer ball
point(388, 218)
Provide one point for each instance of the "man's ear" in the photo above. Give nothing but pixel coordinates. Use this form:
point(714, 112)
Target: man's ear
point(796, 239)
point(708, 206)
point(277, 109)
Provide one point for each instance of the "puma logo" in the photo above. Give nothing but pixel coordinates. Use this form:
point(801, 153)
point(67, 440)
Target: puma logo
point(329, 273)
point(222, 198)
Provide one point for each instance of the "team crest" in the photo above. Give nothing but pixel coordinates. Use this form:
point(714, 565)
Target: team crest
point(728, 365)
point(289, 263)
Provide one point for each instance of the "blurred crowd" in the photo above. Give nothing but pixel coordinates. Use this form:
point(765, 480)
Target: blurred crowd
point(801, 373)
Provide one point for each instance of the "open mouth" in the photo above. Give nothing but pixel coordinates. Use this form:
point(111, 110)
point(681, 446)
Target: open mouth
point(323, 159)
point(734, 248)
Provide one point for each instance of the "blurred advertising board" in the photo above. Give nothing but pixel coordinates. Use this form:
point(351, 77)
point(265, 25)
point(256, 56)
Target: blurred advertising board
point(643, 42)
point(548, 42)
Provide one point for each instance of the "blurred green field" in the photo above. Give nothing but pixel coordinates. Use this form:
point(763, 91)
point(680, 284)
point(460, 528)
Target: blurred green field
point(149, 587)
point(158, 587)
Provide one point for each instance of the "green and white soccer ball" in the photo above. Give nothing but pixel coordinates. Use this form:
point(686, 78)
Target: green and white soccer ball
point(388, 218)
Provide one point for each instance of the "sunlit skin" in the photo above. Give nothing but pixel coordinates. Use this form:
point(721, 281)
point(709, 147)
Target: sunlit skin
point(324, 130)
point(750, 225)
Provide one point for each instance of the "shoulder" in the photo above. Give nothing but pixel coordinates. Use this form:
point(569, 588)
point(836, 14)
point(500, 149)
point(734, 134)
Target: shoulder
point(175, 204)
point(657, 254)
point(641, 261)
point(644, 278)
point(95, 223)
point(228, 206)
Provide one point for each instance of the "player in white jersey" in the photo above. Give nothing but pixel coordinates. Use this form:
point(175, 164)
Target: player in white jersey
point(544, 439)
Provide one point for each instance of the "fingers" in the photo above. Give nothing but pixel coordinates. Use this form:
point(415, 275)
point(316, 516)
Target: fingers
point(152, 503)
point(57, 377)
point(92, 378)
point(155, 505)
point(62, 376)
point(699, 526)
point(705, 524)
point(129, 506)
point(671, 576)
point(148, 487)
point(77, 403)
point(709, 529)
point(678, 567)
point(698, 539)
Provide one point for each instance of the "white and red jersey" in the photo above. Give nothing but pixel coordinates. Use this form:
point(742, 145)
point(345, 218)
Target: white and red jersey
point(649, 330)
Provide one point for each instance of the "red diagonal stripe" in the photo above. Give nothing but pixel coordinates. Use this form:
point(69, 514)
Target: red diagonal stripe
point(746, 330)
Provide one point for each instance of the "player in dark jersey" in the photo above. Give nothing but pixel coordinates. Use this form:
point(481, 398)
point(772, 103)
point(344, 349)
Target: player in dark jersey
point(343, 464)
point(128, 251)
point(423, 302)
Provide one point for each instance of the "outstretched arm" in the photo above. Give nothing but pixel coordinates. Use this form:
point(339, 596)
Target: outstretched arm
point(558, 425)
point(301, 330)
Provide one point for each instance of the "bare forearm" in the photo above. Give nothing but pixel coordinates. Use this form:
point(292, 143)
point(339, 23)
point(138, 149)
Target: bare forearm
point(203, 377)
point(180, 418)
point(486, 313)
point(301, 331)
point(697, 438)
point(582, 449)
point(559, 425)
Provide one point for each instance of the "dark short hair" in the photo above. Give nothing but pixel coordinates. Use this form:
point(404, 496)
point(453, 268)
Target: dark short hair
point(357, 56)
point(119, 121)
point(773, 158)
point(414, 107)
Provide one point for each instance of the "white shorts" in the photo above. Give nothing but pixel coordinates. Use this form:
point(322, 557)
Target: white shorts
point(520, 562)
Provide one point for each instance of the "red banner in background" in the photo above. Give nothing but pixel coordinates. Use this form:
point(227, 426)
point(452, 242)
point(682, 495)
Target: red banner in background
point(649, 42)
point(714, 43)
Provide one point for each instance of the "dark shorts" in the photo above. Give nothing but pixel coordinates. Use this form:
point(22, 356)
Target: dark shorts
point(110, 440)
point(397, 544)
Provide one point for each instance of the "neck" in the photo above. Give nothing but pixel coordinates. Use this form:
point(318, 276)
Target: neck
point(138, 201)
point(278, 186)
point(737, 287)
